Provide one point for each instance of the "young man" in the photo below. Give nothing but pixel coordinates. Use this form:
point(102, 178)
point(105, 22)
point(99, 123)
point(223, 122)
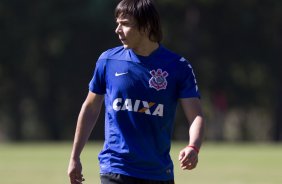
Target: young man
point(141, 83)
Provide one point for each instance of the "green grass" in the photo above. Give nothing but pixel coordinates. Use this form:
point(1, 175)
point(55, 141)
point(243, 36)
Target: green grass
point(219, 164)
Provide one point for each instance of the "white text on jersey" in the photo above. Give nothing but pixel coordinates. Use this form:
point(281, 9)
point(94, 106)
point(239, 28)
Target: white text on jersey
point(149, 108)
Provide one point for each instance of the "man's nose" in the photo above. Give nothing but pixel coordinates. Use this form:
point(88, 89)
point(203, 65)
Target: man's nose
point(118, 29)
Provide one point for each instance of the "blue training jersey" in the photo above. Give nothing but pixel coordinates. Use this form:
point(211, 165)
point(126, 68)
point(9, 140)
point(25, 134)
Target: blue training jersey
point(141, 95)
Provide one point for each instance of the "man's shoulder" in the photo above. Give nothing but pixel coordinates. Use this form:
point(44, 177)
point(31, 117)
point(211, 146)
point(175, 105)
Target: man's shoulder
point(173, 57)
point(114, 53)
point(168, 52)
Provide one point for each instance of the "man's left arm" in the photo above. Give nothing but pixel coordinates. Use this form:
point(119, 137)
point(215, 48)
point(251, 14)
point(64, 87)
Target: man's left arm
point(188, 156)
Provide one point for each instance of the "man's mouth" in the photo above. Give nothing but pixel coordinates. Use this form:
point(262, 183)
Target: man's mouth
point(122, 39)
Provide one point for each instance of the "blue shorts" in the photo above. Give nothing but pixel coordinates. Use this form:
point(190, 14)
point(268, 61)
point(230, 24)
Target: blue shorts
point(112, 178)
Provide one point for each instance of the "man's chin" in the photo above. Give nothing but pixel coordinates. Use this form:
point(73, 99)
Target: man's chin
point(126, 46)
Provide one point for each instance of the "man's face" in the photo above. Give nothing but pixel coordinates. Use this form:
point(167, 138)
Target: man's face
point(128, 32)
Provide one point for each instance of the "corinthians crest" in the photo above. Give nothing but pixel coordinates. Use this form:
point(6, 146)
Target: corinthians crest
point(158, 79)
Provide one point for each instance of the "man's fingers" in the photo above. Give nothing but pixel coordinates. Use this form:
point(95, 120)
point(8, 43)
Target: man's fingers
point(189, 161)
point(76, 178)
point(188, 157)
point(189, 164)
point(79, 178)
point(181, 155)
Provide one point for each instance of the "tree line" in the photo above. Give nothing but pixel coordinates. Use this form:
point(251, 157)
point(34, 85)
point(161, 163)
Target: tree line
point(49, 49)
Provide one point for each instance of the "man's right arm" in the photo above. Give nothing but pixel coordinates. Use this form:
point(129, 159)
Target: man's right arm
point(87, 118)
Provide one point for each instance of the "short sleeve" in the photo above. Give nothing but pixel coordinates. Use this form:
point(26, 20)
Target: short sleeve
point(97, 84)
point(188, 86)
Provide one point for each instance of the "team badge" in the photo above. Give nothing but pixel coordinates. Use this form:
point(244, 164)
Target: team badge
point(158, 79)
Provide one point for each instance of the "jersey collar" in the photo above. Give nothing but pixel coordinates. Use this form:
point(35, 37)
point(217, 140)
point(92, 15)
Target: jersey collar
point(134, 57)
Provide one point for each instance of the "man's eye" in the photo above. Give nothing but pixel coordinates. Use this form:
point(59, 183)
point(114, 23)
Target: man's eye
point(125, 24)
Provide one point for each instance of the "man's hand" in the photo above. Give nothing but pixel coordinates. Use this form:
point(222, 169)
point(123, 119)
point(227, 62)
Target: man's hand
point(188, 158)
point(75, 171)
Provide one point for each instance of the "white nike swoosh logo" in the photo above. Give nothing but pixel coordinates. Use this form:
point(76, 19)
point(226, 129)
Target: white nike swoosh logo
point(119, 74)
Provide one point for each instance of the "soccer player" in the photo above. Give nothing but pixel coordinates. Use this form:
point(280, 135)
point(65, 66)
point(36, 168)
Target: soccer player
point(140, 83)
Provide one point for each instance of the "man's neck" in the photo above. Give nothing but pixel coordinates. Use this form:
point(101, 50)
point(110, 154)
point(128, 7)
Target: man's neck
point(146, 49)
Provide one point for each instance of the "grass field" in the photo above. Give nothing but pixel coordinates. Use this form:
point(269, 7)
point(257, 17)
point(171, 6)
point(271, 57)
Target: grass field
point(43, 163)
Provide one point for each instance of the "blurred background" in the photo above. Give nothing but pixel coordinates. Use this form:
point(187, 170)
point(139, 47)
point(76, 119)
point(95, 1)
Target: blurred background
point(48, 51)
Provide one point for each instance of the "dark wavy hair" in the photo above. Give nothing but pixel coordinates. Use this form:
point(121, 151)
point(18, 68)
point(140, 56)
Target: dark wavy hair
point(145, 14)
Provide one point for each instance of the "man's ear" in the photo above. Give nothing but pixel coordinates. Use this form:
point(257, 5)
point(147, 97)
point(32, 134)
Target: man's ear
point(145, 31)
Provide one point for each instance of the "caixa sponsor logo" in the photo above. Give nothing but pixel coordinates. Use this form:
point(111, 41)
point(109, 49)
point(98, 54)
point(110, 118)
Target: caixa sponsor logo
point(149, 108)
